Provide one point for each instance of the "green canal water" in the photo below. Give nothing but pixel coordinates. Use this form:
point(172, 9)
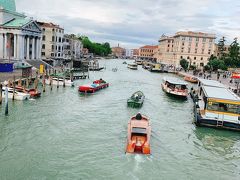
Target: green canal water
point(65, 135)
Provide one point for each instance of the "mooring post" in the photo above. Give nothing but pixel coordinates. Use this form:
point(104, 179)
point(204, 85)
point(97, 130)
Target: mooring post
point(44, 85)
point(0, 93)
point(58, 82)
point(27, 83)
point(51, 83)
point(64, 81)
point(13, 88)
point(6, 101)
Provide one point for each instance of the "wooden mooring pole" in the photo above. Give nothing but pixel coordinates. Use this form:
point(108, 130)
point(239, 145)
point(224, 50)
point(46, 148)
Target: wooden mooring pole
point(0, 93)
point(51, 83)
point(13, 88)
point(6, 101)
point(58, 82)
point(44, 83)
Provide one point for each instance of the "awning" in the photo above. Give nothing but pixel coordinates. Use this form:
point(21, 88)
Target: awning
point(235, 75)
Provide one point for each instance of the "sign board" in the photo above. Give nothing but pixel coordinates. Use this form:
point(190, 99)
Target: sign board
point(41, 69)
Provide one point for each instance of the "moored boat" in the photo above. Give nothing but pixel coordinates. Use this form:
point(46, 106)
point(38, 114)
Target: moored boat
point(139, 133)
point(191, 79)
point(17, 94)
point(175, 87)
point(95, 86)
point(216, 106)
point(136, 100)
point(139, 62)
point(133, 66)
point(34, 93)
point(60, 81)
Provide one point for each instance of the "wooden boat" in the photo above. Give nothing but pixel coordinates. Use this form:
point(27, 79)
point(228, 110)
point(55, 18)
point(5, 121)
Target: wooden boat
point(133, 66)
point(191, 79)
point(96, 68)
point(216, 106)
point(175, 87)
point(60, 81)
point(17, 94)
point(95, 86)
point(139, 133)
point(136, 100)
point(124, 62)
point(34, 93)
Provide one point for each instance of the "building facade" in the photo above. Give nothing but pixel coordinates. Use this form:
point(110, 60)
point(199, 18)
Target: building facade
point(118, 52)
point(72, 47)
point(147, 52)
point(52, 41)
point(195, 47)
point(20, 37)
point(129, 53)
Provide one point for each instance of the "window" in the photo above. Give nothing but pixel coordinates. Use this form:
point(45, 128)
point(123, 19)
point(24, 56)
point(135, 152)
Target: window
point(188, 57)
point(52, 47)
point(190, 39)
point(189, 50)
point(195, 58)
point(43, 46)
point(201, 64)
point(196, 44)
point(181, 57)
point(210, 40)
point(43, 53)
point(201, 58)
point(204, 39)
point(195, 51)
point(53, 38)
point(43, 29)
point(197, 39)
point(182, 44)
point(44, 37)
point(53, 30)
point(59, 39)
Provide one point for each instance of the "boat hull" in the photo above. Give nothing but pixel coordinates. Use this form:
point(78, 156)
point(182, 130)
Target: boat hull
point(174, 93)
point(89, 89)
point(60, 83)
point(134, 104)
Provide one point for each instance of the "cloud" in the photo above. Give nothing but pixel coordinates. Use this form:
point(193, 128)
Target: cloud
point(134, 23)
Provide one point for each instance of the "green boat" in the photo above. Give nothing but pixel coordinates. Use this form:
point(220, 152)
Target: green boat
point(136, 100)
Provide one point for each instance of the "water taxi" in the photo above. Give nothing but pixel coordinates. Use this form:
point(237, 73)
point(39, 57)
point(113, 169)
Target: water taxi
point(216, 106)
point(191, 79)
point(133, 66)
point(175, 87)
point(136, 100)
point(139, 62)
point(139, 133)
point(95, 86)
point(17, 94)
point(60, 81)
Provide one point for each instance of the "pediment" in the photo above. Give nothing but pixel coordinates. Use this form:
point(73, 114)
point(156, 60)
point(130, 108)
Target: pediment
point(32, 26)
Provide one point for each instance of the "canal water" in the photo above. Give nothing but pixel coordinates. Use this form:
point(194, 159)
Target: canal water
point(65, 135)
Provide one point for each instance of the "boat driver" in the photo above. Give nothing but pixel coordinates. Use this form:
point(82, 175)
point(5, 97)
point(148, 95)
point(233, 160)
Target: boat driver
point(138, 116)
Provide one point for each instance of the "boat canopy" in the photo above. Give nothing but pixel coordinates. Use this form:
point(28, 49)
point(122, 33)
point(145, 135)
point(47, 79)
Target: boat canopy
point(175, 81)
point(220, 93)
point(211, 83)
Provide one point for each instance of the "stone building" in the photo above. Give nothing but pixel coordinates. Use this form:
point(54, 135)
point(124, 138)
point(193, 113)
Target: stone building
point(72, 47)
point(20, 37)
point(147, 52)
point(52, 42)
point(118, 52)
point(195, 47)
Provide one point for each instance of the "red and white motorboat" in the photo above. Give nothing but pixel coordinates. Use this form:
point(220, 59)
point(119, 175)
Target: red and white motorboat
point(34, 93)
point(95, 86)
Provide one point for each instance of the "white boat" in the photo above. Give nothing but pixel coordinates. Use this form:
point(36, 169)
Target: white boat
point(133, 66)
point(216, 106)
point(59, 81)
point(139, 62)
point(17, 95)
point(175, 87)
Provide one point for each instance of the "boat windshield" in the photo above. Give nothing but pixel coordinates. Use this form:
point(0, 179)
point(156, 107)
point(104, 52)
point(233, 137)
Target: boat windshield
point(223, 107)
point(139, 130)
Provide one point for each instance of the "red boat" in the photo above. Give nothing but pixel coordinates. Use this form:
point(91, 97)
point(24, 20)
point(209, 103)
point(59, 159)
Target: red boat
point(34, 93)
point(92, 88)
point(139, 133)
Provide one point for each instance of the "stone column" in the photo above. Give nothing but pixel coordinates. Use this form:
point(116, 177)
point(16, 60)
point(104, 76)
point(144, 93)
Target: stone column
point(27, 55)
point(37, 48)
point(15, 46)
point(40, 49)
point(5, 46)
point(20, 47)
point(1, 46)
point(33, 48)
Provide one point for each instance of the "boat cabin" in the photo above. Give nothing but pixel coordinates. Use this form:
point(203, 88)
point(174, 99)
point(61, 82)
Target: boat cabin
point(175, 84)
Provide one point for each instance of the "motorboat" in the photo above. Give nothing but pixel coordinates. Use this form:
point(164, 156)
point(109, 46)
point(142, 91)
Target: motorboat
point(17, 94)
point(139, 133)
point(191, 79)
point(59, 81)
point(136, 100)
point(95, 86)
point(176, 87)
point(139, 62)
point(34, 93)
point(133, 66)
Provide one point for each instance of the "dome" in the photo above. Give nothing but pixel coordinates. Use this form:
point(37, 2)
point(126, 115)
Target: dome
point(8, 5)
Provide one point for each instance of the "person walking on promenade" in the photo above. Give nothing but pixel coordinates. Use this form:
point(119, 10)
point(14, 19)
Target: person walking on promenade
point(218, 76)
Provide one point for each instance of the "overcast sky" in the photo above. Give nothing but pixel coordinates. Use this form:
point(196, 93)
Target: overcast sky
point(133, 23)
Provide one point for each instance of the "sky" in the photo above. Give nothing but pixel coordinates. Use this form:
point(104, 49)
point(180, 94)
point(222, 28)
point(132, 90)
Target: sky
point(134, 23)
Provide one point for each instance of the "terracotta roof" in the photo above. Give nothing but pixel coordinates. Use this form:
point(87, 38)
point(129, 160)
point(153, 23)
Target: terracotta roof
point(49, 25)
point(149, 47)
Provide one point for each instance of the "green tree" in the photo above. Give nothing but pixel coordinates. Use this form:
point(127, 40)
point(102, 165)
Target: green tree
point(234, 54)
point(216, 64)
point(184, 63)
point(221, 47)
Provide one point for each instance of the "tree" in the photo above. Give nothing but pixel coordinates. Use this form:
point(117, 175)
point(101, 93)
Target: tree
point(234, 54)
point(221, 47)
point(184, 63)
point(216, 64)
